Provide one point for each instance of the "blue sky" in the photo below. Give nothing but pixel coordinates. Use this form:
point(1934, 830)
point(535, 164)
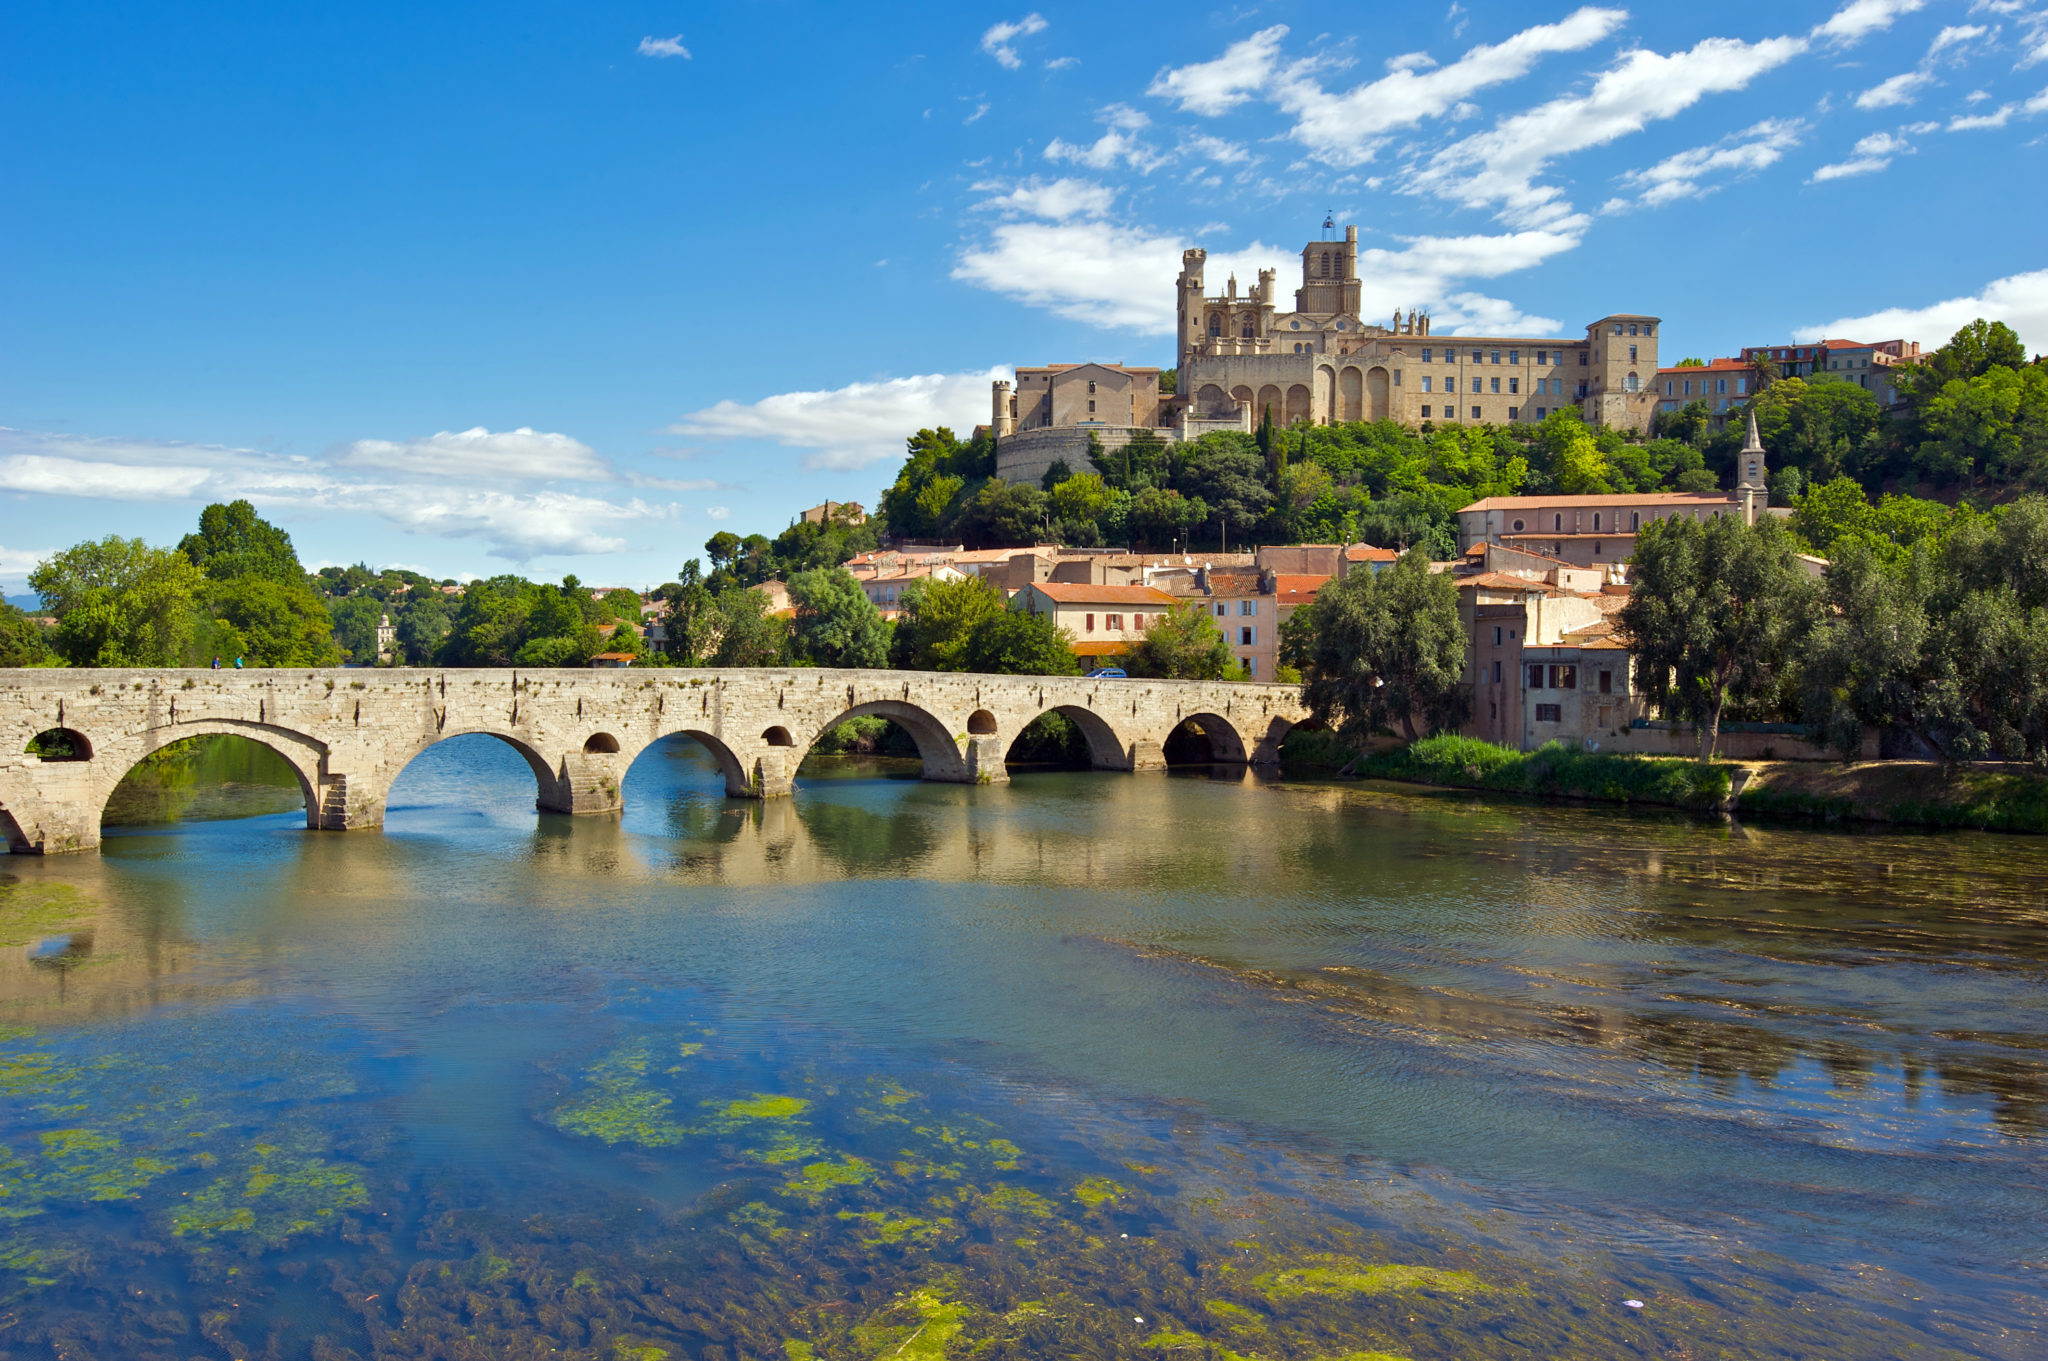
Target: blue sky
point(558, 288)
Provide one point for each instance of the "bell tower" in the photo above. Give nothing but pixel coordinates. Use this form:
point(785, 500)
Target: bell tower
point(1752, 476)
point(1329, 276)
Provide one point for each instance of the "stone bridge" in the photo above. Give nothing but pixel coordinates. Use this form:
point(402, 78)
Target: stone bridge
point(348, 733)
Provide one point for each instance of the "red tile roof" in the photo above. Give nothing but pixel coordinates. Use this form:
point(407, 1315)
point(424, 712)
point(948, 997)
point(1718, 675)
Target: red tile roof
point(1641, 498)
point(1074, 593)
point(1365, 552)
point(1501, 581)
point(1297, 583)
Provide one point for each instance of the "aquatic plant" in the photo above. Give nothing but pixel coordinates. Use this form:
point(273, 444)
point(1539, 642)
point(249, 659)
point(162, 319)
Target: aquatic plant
point(1339, 1276)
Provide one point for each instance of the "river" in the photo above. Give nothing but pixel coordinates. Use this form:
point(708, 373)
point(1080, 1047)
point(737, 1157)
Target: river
point(1088, 1065)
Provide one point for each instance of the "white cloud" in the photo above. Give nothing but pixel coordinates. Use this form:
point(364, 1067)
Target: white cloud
point(1679, 176)
point(524, 454)
point(1121, 278)
point(518, 525)
point(718, 512)
point(1000, 38)
point(1216, 149)
point(1500, 166)
point(2019, 300)
point(17, 563)
point(852, 426)
point(1411, 61)
point(1348, 128)
point(1062, 63)
point(1903, 88)
point(1867, 157)
point(1859, 19)
point(1055, 200)
point(1999, 116)
point(1119, 145)
point(980, 112)
point(1955, 34)
point(664, 47)
point(1215, 87)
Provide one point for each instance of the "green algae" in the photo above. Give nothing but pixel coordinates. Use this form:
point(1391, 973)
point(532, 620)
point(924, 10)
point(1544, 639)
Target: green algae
point(762, 1106)
point(934, 1321)
point(627, 1351)
point(1018, 1200)
point(798, 1351)
point(1236, 1315)
point(619, 1105)
point(761, 1217)
point(1096, 1192)
point(29, 911)
point(273, 1200)
point(1341, 1276)
point(818, 1180)
point(893, 1229)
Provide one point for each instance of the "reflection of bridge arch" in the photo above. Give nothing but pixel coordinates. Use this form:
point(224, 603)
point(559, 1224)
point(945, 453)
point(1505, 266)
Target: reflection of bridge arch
point(349, 734)
point(1214, 736)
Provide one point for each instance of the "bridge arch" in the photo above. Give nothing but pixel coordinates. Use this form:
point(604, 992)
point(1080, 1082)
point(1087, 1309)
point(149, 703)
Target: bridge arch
point(937, 747)
point(1205, 738)
point(116, 759)
point(547, 782)
point(738, 774)
point(1107, 749)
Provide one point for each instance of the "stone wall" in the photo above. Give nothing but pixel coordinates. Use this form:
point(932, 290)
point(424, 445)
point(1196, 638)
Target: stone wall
point(348, 733)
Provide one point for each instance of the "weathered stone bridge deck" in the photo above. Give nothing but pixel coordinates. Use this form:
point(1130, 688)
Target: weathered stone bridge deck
point(348, 733)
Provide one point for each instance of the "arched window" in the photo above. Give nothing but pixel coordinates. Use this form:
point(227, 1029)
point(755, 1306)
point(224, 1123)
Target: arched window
point(1215, 323)
point(1326, 264)
point(1557, 524)
point(1596, 522)
point(1629, 384)
point(1246, 330)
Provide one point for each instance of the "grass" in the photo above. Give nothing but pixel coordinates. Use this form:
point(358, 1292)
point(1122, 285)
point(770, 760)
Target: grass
point(1907, 792)
point(1553, 771)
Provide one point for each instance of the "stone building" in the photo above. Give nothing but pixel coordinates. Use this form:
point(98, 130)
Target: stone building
point(1320, 361)
point(1052, 412)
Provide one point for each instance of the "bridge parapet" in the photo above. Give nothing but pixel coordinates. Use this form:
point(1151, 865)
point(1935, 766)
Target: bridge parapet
point(349, 733)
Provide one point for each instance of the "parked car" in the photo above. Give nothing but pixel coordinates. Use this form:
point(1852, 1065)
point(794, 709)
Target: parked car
point(1108, 673)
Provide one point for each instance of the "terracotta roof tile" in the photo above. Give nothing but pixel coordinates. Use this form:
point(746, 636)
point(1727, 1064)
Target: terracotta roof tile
point(1074, 593)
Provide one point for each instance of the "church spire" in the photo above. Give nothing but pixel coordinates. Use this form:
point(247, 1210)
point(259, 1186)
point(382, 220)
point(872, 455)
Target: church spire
point(1752, 481)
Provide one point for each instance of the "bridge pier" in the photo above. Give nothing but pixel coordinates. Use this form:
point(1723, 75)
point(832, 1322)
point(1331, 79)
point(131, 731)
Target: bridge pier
point(985, 760)
point(1146, 754)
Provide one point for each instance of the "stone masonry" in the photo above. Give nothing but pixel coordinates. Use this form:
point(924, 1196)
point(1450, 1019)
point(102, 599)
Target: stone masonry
point(348, 733)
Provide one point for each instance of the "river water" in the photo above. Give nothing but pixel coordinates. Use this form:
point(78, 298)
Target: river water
point(1084, 1066)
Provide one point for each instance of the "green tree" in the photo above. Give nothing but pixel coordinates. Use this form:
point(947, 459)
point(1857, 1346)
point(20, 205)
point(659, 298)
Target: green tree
point(836, 624)
point(119, 602)
point(1158, 518)
point(1861, 668)
point(422, 627)
point(1015, 643)
point(1183, 644)
point(1231, 481)
point(235, 542)
point(1717, 612)
point(1380, 649)
point(938, 620)
point(1971, 352)
point(745, 633)
point(689, 614)
point(1002, 515)
point(1080, 497)
point(1993, 425)
point(21, 639)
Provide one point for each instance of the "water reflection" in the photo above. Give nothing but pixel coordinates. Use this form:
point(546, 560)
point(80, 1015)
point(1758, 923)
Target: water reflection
point(1355, 1069)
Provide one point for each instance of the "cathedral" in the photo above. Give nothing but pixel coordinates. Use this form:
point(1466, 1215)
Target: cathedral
point(1240, 355)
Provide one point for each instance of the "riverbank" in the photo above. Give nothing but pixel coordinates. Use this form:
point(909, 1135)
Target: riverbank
point(1902, 793)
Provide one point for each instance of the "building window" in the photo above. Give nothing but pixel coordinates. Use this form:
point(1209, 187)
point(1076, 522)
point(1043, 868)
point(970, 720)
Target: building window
point(1518, 526)
point(1535, 677)
point(1514, 356)
point(1514, 413)
point(1425, 382)
point(1251, 667)
point(1550, 713)
point(1425, 411)
point(1113, 623)
point(1541, 412)
point(1630, 383)
point(1739, 386)
point(1496, 636)
point(1089, 625)
point(1564, 678)
point(1667, 389)
point(1476, 382)
point(1596, 522)
point(1606, 682)
point(1496, 673)
point(1514, 385)
point(1425, 354)
point(1222, 609)
point(1557, 524)
point(1631, 354)
point(1246, 636)
point(1581, 392)
point(1496, 356)
point(1617, 328)
point(1496, 385)
point(1091, 389)
point(1475, 413)
point(1582, 359)
point(1247, 607)
point(1635, 521)
point(1215, 324)
point(1246, 331)
point(1091, 408)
